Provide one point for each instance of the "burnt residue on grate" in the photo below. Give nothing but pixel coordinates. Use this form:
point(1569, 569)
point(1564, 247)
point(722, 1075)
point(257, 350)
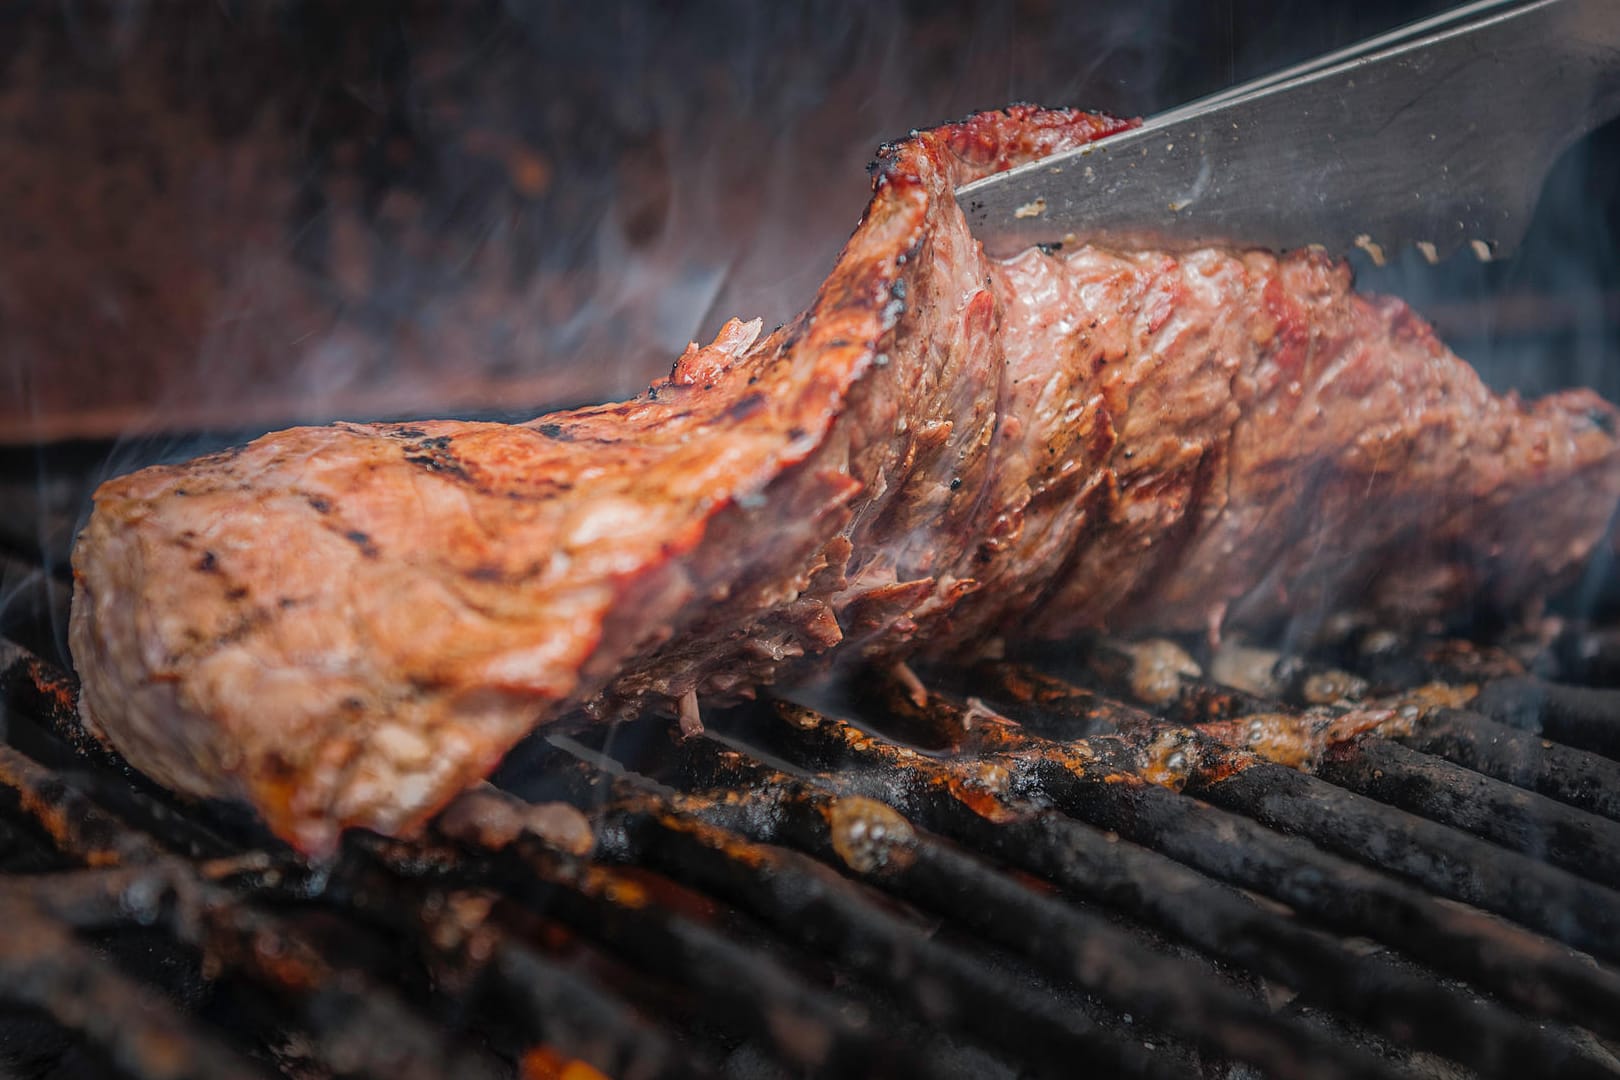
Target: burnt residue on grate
point(1385, 862)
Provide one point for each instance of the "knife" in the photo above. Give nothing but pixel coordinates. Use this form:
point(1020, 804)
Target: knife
point(1437, 135)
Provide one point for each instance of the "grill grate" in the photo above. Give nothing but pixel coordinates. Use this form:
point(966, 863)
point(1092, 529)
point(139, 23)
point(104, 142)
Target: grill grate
point(1017, 872)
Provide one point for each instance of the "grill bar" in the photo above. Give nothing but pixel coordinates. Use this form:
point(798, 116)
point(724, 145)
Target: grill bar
point(1064, 942)
point(1523, 968)
point(358, 1026)
point(1584, 717)
point(1533, 972)
point(777, 888)
point(1100, 867)
point(1575, 777)
point(1591, 653)
point(741, 988)
point(1392, 1000)
point(43, 966)
point(803, 899)
point(548, 1000)
point(78, 827)
point(1519, 820)
point(555, 1006)
point(1544, 898)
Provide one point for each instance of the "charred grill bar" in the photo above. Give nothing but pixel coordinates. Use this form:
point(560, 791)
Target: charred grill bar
point(987, 883)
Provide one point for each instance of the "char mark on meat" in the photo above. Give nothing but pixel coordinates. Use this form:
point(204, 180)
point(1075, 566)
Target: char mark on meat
point(347, 625)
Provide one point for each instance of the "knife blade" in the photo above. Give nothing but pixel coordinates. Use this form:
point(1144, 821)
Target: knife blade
point(1438, 135)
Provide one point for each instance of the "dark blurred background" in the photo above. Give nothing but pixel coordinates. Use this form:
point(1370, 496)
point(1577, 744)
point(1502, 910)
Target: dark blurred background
point(220, 218)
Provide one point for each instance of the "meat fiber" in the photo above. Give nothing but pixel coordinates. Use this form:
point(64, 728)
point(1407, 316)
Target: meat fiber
point(347, 625)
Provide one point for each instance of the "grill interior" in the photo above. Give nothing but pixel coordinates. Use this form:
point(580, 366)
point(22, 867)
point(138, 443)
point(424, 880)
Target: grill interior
point(1021, 869)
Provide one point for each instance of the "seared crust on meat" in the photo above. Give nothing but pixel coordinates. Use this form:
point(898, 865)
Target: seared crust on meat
point(345, 626)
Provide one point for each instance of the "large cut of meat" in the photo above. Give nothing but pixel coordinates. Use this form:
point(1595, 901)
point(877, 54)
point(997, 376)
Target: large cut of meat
point(347, 625)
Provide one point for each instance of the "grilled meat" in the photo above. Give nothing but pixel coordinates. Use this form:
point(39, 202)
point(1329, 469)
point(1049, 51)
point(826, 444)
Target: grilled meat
point(345, 626)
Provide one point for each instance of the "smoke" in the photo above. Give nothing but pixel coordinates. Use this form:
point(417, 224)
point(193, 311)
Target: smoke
point(235, 217)
point(1547, 317)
